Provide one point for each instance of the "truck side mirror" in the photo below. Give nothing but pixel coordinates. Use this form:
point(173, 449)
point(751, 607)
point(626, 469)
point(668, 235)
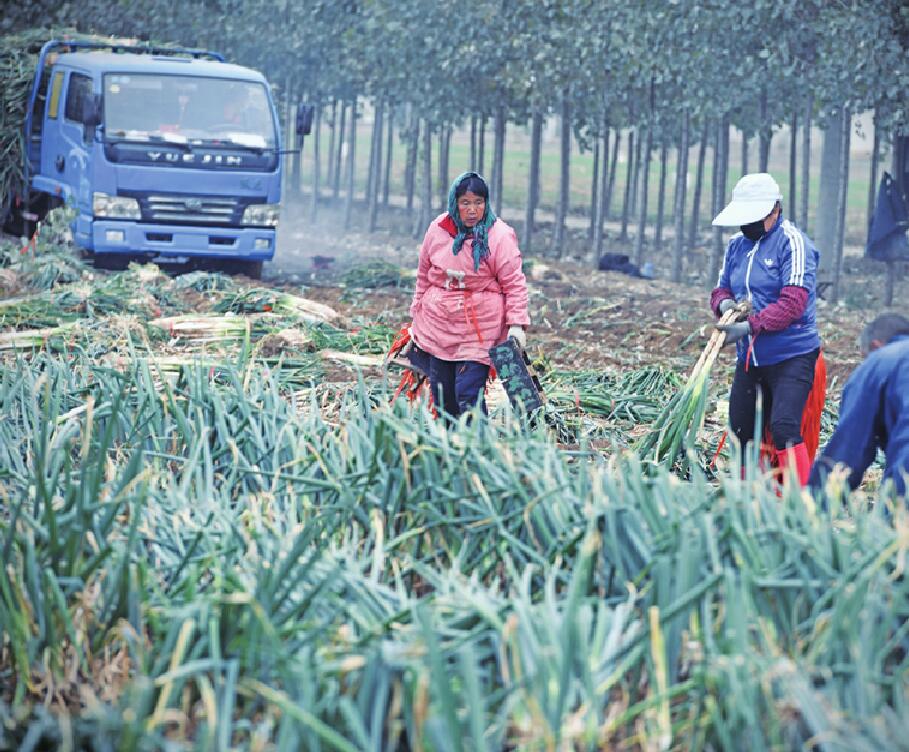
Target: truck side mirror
point(91, 111)
point(304, 119)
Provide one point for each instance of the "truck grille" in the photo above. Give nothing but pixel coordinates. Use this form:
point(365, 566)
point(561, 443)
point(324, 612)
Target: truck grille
point(203, 209)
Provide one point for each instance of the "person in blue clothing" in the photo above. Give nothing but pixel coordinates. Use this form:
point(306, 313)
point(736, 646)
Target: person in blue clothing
point(874, 410)
point(772, 264)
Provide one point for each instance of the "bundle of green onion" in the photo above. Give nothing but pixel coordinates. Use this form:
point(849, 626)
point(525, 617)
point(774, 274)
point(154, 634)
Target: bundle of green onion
point(678, 424)
point(267, 300)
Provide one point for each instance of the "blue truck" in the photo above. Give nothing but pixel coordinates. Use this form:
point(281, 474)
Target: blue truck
point(166, 154)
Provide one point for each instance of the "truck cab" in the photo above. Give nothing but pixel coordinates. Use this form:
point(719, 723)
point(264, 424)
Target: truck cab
point(165, 156)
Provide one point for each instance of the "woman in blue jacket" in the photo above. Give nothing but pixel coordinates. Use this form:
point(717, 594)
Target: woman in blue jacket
point(772, 264)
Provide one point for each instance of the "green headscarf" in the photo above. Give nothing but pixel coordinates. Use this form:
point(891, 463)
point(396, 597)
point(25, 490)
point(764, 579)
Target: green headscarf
point(479, 232)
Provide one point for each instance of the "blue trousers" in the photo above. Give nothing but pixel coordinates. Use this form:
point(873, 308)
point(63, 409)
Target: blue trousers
point(457, 385)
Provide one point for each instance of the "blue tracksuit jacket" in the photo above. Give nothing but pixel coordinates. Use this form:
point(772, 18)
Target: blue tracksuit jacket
point(759, 271)
point(874, 413)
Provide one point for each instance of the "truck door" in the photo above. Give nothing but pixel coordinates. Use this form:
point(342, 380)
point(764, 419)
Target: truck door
point(47, 132)
point(74, 147)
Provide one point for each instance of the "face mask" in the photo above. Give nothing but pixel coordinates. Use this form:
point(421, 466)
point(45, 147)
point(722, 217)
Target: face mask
point(754, 231)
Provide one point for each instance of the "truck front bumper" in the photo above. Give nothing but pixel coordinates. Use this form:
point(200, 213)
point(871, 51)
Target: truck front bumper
point(180, 241)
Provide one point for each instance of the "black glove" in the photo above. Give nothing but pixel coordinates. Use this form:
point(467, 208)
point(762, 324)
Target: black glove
point(734, 332)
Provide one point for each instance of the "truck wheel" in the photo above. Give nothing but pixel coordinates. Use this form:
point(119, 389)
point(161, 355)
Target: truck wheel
point(16, 224)
point(251, 269)
point(113, 262)
point(22, 222)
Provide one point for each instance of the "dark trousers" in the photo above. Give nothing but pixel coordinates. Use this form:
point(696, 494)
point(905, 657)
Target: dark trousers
point(784, 387)
point(457, 385)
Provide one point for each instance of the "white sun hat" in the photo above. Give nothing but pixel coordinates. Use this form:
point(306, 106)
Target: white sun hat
point(753, 198)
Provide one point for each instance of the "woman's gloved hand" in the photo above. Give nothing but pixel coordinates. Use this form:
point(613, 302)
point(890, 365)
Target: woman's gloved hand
point(519, 334)
point(726, 304)
point(734, 332)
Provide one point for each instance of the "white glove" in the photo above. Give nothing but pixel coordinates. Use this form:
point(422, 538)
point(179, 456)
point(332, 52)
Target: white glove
point(519, 334)
point(726, 304)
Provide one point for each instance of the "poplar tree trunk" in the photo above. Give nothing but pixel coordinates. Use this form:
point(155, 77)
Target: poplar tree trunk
point(376, 166)
point(623, 236)
point(316, 165)
point(296, 157)
point(533, 179)
point(636, 175)
point(875, 163)
point(720, 172)
point(332, 136)
point(498, 162)
point(765, 134)
point(558, 232)
point(744, 154)
point(613, 166)
point(389, 144)
point(889, 283)
point(295, 144)
point(841, 202)
point(375, 149)
point(444, 152)
point(642, 200)
point(410, 170)
point(661, 197)
point(481, 147)
point(605, 170)
point(897, 168)
point(287, 156)
point(806, 162)
point(336, 186)
point(284, 119)
point(793, 163)
point(473, 143)
point(426, 199)
point(594, 189)
point(826, 216)
point(681, 186)
point(351, 164)
point(698, 184)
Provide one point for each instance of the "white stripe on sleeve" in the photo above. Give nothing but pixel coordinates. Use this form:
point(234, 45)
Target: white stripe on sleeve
point(797, 248)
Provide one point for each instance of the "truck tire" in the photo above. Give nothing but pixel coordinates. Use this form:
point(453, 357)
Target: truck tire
point(22, 221)
point(16, 224)
point(251, 269)
point(114, 262)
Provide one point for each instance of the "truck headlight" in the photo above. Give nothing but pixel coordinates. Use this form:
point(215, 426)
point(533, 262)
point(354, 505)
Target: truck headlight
point(115, 207)
point(261, 215)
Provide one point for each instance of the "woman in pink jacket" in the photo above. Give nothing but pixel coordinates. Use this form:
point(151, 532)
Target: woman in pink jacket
point(470, 295)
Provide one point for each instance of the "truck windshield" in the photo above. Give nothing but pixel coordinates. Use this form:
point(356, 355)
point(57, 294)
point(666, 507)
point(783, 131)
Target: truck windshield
point(188, 109)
